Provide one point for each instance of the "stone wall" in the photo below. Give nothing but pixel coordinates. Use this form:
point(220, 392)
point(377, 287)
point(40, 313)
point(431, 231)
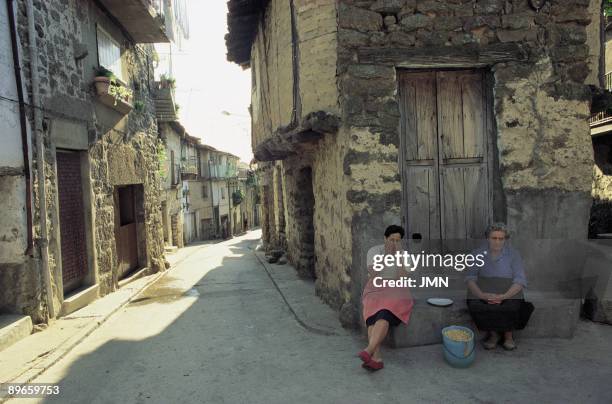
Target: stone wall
point(274, 103)
point(119, 149)
point(540, 104)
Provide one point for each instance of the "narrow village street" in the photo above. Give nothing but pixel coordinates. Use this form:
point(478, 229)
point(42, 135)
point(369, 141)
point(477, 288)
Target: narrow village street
point(220, 327)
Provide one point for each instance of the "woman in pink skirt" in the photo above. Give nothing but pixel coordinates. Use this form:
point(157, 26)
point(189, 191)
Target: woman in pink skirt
point(384, 306)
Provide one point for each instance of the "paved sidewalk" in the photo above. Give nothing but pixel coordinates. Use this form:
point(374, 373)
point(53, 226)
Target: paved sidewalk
point(26, 359)
point(29, 357)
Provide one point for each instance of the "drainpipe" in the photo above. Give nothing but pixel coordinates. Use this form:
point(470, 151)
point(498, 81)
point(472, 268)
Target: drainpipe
point(40, 155)
point(23, 124)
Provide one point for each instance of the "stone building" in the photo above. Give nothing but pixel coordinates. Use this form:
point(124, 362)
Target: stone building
point(598, 299)
point(171, 133)
point(442, 116)
point(85, 192)
point(601, 130)
point(190, 169)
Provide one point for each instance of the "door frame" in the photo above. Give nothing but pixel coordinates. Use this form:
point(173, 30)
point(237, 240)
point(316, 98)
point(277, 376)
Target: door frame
point(489, 143)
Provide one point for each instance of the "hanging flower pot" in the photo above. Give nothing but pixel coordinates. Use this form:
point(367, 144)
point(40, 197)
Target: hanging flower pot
point(102, 84)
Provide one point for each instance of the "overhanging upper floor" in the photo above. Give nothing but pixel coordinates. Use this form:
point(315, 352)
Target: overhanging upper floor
point(143, 20)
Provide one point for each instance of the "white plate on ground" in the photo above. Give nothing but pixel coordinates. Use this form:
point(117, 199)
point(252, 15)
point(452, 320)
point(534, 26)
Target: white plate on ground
point(439, 301)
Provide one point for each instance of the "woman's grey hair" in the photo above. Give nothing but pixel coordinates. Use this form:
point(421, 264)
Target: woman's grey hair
point(499, 226)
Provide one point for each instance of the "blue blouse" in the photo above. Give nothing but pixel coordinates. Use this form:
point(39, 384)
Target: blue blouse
point(508, 264)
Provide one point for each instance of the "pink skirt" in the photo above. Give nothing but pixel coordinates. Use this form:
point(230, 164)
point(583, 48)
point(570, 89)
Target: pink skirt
point(397, 300)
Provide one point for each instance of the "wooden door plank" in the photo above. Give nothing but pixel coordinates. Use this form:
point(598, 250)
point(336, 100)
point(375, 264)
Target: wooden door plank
point(409, 117)
point(418, 194)
point(453, 203)
point(426, 116)
point(473, 114)
point(450, 114)
point(476, 196)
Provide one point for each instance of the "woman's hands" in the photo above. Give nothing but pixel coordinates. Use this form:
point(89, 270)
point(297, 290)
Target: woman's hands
point(493, 298)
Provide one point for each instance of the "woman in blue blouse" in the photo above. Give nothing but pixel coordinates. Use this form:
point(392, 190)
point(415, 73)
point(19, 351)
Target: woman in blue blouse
point(495, 290)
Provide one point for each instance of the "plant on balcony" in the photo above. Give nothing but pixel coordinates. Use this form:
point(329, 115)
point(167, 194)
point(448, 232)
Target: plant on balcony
point(103, 79)
point(237, 197)
point(111, 91)
point(167, 82)
point(120, 92)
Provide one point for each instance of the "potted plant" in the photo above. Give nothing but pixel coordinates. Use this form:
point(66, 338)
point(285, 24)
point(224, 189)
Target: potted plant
point(111, 92)
point(103, 80)
point(120, 93)
point(167, 82)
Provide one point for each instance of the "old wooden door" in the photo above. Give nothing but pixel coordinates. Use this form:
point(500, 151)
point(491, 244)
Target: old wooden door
point(444, 155)
point(72, 220)
point(126, 235)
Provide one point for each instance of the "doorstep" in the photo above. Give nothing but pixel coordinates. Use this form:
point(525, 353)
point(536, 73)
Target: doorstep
point(13, 327)
point(79, 299)
point(555, 316)
point(139, 273)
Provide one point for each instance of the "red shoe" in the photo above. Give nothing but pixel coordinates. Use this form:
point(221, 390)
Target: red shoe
point(373, 365)
point(364, 356)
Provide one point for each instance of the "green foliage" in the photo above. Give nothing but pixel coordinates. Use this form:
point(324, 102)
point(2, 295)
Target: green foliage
point(138, 105)
point(119, 92)
point(167, 81)
point(237, 197)
point(104, 72)
point(161, 159)
point(607, 8)
point(251, 180)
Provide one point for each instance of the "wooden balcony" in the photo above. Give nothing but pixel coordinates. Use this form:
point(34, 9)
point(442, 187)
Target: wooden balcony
point(143, 20)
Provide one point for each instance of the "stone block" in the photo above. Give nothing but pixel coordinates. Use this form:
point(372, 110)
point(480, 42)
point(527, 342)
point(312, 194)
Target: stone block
point(79, 300)
point(434, 8)
point(517, 35)
point(359, 19)
point(13, 328)
point(491, 21)
point(388, 6)
point(517, 21)
point(489, 6)
point(415, 21)
point(408, 9)
point(554, 316)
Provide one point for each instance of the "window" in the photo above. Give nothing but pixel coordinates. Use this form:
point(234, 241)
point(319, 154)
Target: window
point(204, 191)
point(222, 193)
point(109, 53)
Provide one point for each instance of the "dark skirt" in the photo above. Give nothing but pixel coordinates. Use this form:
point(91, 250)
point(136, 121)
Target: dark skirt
point(511, 314)
point(383, 314)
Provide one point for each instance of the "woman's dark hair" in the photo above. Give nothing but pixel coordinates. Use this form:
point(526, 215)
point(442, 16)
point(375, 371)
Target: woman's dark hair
point(394, 229)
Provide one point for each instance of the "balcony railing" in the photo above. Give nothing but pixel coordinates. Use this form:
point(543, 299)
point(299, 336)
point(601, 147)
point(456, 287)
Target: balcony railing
point(603, 117)
point(143, 20)
point(189, 169)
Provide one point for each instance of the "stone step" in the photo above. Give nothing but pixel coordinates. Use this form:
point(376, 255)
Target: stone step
point(170, 249)
point(554, 316)
point(13, 328)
